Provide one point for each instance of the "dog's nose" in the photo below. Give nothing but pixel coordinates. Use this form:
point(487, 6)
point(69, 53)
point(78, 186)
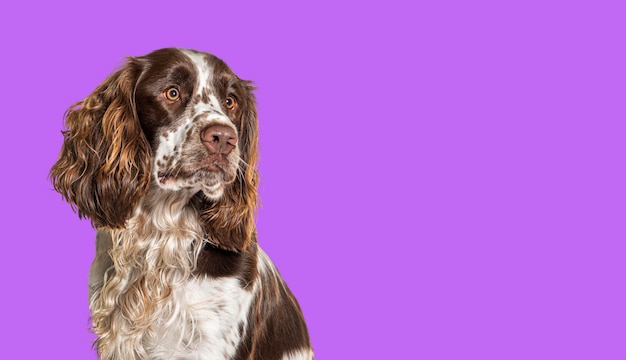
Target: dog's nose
point(219, 139)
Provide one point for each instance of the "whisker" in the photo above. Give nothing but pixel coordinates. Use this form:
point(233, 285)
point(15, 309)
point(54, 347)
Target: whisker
point(243, 162)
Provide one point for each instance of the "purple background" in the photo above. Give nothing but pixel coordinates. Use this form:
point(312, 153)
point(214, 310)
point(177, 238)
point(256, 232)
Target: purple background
point(440, 179)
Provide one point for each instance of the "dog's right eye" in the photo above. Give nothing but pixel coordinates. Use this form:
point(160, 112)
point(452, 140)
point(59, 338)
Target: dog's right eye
point(172, 94)
point(230, 102)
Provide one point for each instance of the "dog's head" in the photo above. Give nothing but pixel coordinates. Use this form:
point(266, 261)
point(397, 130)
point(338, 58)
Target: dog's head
point(174, 120)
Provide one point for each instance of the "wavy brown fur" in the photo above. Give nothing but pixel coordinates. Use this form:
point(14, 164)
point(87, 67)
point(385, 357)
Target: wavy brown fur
point(104, 165)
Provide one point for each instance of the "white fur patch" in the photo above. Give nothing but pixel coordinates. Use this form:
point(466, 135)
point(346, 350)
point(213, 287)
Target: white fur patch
point(205, 74)
point(218, 307)
point(302, 354)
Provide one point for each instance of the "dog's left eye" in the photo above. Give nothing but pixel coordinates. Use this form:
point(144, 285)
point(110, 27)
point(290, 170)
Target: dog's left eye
point(230, 102)
point(172, 94)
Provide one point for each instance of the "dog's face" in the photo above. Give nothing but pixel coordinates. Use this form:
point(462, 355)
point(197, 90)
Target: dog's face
point(190, 107)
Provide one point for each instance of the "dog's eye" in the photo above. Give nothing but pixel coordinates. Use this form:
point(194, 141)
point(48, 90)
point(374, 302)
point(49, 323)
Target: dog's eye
point(230, 102)
point(172, 94)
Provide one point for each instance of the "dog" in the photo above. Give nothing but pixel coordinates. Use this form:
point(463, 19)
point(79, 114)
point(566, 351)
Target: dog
point(161, 157)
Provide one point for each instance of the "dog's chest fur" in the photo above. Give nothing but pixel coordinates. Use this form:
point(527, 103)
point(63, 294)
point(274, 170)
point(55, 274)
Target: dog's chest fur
point(215, 313)
point(161, 306)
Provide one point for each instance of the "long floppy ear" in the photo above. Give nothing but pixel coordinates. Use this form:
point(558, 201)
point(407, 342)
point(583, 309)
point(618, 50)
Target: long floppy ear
point(229, 222)
point(104, 165)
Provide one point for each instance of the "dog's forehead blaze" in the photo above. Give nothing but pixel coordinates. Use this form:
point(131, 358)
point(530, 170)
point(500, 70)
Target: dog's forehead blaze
point(213, 78)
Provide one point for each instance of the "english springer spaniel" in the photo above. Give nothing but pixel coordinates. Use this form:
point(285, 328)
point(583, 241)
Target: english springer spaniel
point(161, 157)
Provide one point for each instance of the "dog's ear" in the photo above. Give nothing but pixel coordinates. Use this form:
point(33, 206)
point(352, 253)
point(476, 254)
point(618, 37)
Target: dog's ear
point(104, 165)
point(229, 221)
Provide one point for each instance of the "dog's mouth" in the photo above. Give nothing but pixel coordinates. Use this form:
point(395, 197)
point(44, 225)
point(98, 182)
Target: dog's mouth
point(207, 175)
point(164, 177)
